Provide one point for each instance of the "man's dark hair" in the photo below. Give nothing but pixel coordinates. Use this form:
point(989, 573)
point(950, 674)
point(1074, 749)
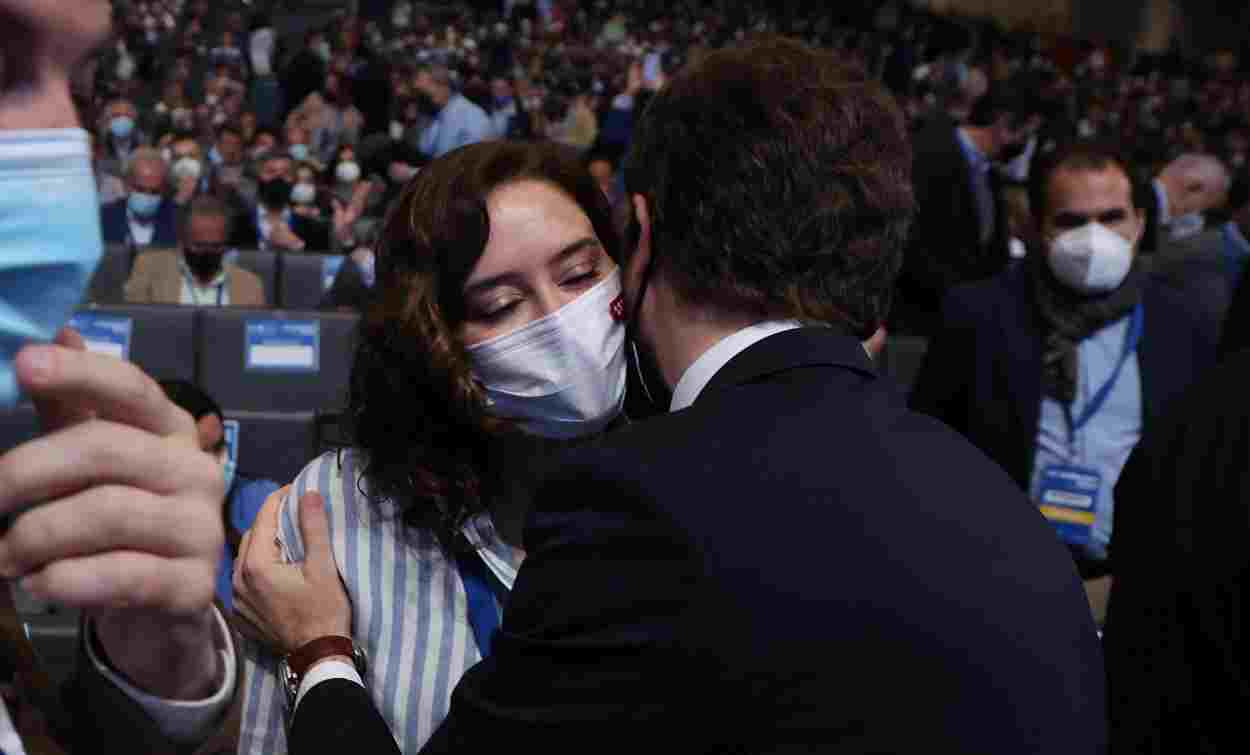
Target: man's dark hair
point(1080, 155)
point(192, 399)
point(779, 184)
point(206, 205)
point(1018, 99)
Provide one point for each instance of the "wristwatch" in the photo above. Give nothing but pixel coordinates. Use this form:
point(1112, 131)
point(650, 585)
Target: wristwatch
point(292, 668)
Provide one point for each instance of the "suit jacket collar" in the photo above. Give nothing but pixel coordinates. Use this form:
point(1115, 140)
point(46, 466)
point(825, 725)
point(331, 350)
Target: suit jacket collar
point(804, 347)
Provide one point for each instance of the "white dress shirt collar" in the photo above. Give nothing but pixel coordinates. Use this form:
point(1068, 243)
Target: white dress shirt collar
point(699, 374)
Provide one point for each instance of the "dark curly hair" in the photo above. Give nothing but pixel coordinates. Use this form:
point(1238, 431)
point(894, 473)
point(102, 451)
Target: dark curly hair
point(779, 184)
point(414, 409)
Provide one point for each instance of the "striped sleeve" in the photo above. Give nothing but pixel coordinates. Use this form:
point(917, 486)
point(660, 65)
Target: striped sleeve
point(263, 731)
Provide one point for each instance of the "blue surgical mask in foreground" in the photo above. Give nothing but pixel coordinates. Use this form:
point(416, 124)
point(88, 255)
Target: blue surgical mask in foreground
point(49, 238)
point(562, 376)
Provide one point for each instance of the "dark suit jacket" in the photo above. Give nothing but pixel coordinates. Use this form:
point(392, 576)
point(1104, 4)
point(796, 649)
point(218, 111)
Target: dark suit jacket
point(1235, 335)
point(116, 227)
point(1154, 236)
point(982, 375)
point(1178, 656)
point(1198, 267)
point(796, 563)
point(316, 234)
point(945, 248)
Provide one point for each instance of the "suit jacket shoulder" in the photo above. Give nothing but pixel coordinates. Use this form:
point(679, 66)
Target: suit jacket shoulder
point(246, 288)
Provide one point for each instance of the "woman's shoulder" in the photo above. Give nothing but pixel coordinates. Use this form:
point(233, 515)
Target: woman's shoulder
point(336, 475)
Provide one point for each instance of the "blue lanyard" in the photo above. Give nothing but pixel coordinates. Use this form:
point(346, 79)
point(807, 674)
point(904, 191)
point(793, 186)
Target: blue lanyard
point(1131, 339)
point(482, 588)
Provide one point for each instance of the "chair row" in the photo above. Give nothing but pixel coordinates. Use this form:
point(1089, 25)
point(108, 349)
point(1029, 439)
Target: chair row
point(248, 359)
point(291, 280)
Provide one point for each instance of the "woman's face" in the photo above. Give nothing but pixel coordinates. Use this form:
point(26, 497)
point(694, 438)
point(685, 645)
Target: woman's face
point(541, 255)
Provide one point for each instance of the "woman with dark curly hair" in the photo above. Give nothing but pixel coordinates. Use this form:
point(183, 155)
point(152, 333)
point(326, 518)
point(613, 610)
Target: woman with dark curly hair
point(496, 335)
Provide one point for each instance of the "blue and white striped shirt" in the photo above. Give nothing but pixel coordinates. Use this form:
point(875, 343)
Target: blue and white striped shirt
point(409, 610)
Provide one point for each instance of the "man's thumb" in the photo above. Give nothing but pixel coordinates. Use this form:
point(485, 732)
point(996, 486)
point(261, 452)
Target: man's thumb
point(314, 526)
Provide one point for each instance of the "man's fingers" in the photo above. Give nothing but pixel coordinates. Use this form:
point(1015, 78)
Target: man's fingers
point(123, 580)
point(57, 412)
point(115, 389)
point(105, 518)
point(98, 452)
point(314, 525)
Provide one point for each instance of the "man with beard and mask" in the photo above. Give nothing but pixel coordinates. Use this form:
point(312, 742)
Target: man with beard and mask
point(1057, 367)
point(147, 216)
point(119, 129)
point(961, 233)
point(455, 121)
point(197, 275)
point(271, 224)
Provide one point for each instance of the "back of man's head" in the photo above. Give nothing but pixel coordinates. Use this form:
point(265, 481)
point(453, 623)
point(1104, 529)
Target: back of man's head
point(778, 181)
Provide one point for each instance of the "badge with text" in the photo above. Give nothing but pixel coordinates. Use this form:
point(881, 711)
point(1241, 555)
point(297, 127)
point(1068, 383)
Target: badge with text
point(282, 345)
point(104, 334)
point(1068, 498)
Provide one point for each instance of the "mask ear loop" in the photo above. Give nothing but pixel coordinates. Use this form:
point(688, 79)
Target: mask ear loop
point(634, 235)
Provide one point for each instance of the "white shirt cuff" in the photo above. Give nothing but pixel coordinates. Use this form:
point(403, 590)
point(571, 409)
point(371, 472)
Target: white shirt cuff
point(183, 721)
point(324, 672)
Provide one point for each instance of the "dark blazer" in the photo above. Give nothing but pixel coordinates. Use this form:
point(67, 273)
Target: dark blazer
point(982, 374)
point(945, 249)
point(1199, 267)
point(784, 567)
point(1178, 656)
point(115, 225)
point(315, 233)
point(1154, 235)
point(1235, 335)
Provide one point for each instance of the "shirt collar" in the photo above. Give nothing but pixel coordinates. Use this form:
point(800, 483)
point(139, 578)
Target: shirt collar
point(699, 374)
point(1161, 193)
point(1238, 240)
point(975, 157)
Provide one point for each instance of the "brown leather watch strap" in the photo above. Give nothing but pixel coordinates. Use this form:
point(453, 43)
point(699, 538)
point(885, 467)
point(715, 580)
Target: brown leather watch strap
point(323, 647)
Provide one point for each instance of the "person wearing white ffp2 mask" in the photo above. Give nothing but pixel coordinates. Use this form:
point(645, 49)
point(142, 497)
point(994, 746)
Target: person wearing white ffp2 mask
point(1111, 345)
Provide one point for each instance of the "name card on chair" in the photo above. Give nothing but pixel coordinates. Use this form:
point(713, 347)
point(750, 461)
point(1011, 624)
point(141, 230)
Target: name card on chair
point(282, 346)
point(104, 334)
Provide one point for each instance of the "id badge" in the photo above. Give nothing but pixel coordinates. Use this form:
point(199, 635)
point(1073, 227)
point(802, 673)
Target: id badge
point(1068, 498)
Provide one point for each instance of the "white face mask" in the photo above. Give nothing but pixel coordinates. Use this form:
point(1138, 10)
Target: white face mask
point(562, 376)
point(1189, 224)
point(348, 172)
point(1092, 259)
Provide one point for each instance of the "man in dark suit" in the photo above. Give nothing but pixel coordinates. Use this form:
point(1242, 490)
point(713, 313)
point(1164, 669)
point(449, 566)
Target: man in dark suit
point(1177, 200)
point(1178, 657)
point(1209, 267)
point(779, 564)
point(960, 233)
point(272, 224)
point(1058, 366)
point(146, 217)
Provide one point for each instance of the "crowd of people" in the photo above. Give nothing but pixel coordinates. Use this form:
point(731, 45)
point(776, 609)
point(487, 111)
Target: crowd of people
point(619, 466)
